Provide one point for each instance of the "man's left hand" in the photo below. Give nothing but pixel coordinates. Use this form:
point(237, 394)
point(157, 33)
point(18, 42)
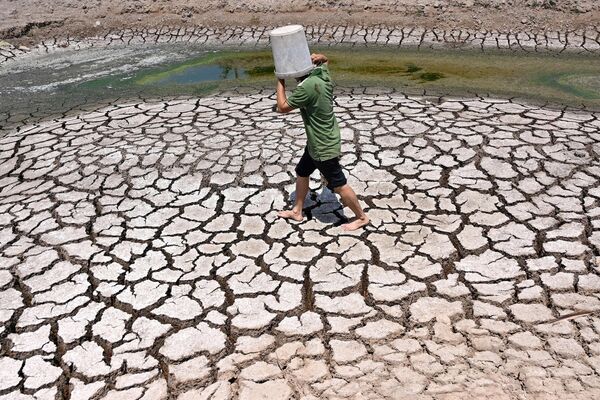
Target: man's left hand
point(318, 59)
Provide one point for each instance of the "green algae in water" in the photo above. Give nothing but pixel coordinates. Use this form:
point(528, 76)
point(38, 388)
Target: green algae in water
point(412, 68)
point(583, 86)
point(268, 70)
point(216, 66)
point(430, 76)
point(566, 79)
point(260, 65)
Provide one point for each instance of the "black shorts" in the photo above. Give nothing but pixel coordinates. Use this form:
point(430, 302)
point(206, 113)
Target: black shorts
point(331, 170)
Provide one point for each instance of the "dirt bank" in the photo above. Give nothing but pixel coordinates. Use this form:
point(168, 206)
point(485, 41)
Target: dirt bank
point(27, 21)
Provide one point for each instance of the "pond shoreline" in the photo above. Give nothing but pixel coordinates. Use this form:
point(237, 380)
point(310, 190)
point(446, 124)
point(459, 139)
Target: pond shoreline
point(323, 38)
point(582, 41)
point(13, 122)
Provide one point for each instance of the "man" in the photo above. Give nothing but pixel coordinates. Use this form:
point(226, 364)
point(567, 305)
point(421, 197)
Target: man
point(314, 97)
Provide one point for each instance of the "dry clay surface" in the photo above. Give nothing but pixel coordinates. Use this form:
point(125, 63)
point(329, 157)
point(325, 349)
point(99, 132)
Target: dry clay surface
point(141, 256)
point(35, 20)
point(583, 41)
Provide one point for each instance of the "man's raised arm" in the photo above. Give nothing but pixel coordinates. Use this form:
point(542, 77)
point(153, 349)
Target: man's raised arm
point(282, 104)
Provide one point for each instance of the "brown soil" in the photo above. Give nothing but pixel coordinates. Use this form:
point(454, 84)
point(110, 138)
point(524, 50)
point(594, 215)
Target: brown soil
point(28, 21)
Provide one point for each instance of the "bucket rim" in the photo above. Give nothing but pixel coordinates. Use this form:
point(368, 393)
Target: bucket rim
point(295, 74)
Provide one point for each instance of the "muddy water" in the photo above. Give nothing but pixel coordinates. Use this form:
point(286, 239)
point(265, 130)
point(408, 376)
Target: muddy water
point(57, 82)
point(571, 80)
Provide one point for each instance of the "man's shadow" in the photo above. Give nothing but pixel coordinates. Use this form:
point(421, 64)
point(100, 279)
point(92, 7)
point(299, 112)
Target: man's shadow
point(324, 207)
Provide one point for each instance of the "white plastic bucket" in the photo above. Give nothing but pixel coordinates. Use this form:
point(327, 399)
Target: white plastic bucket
point(290, 52)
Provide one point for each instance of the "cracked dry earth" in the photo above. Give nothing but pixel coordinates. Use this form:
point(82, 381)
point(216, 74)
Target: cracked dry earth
point(141, 256)
point(580, 41)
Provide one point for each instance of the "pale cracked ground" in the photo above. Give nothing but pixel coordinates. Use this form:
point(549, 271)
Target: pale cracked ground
point(141, 257)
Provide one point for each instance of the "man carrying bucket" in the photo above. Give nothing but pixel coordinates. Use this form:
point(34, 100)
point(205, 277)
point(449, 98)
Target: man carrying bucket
point(314, 97)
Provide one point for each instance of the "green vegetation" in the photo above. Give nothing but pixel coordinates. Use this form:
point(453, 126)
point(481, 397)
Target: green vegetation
point(431, 76)
point(412, 68)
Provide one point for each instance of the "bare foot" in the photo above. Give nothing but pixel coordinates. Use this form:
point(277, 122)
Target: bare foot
point(356, 224)
point(291, 214)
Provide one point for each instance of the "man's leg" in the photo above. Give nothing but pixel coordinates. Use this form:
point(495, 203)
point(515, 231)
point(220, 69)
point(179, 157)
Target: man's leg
point(336, 181)
point(304, 168)
point(301, 191)
point(350, 200)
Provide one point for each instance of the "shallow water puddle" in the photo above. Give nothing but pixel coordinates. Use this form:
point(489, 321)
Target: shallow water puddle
point(51, 83)
point(206, 73)
point(203, 73)
point(563, 79)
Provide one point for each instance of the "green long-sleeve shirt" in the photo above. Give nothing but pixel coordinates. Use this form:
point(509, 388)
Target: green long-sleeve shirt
point(314, 97)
